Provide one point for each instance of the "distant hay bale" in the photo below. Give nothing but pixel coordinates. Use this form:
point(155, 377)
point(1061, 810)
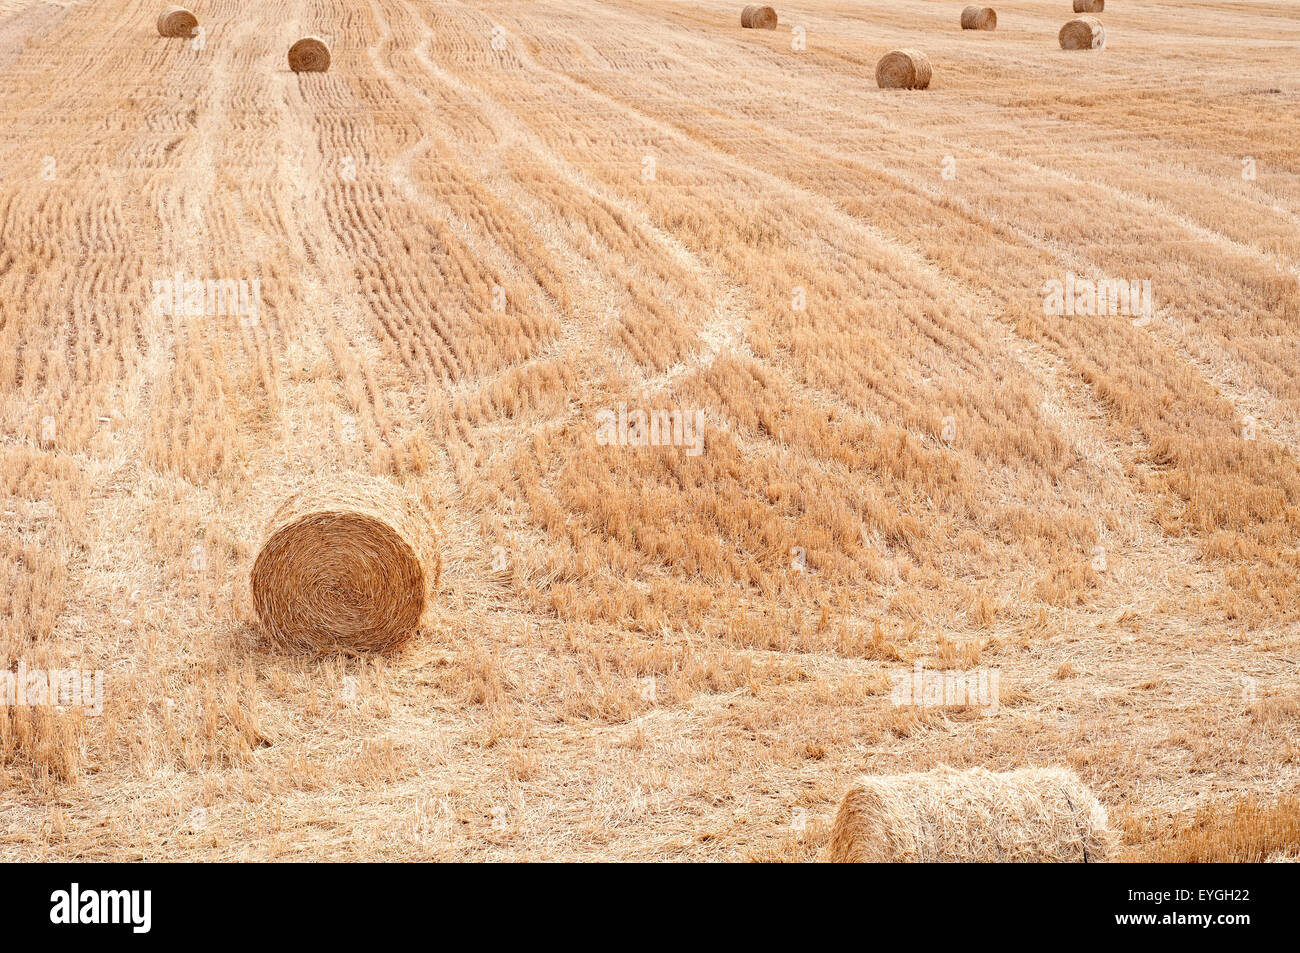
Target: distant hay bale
point(756, 17)
point(903, 69)
point(1083, 33)
point(1089, 6)
point(309, 55)
point(979, 18)
point(945, 815)
point(177, 21)
point(342, 569)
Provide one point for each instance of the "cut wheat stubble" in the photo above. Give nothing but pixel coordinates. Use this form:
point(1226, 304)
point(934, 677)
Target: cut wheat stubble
point(979, 18)
point(342, 569)
point(946, 815)
point(309, 55)
point(758, 17)
point(177, 21)
point(1084, 33)
point(904, 69)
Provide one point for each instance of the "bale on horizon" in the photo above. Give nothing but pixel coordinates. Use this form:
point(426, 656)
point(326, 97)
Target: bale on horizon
point(309, 55)
point(904, 69)
point(1089, 6)
point(1083, 33)
point(757, 17)
point(979, 18)
point(342, 569)
point(951, 816)
point(177, 21)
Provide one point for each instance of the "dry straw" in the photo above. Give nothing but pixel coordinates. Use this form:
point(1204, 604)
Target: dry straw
point(342, 569)
point(945, 815)
point(903, 69)
point(177, 21)
point(979, 18)
point(1084, 33)
point(309, 55)
point(1089, 6)
point(755, 17)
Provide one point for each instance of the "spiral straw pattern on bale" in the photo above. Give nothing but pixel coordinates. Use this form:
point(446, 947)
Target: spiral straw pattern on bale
point(903, 69)
point(757, 17)
point(979, 18)
point(945, 815)
point(177, 21)
point(342, 569)
point(1089, 6)
point(309, 55)
point(1085, 33)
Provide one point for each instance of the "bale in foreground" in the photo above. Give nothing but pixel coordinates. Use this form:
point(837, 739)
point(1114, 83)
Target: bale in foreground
point(903, 69)
point(177, 21)
point(945, 815)
point(1089, 6)
point(342, 570)
point(309, 55)
point(979, 18)
point(1084, 33)
point(756, 17)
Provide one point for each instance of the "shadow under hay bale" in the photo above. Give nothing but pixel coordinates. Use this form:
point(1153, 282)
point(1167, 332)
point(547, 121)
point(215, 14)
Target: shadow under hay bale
point(945, 815)
point(342, 569)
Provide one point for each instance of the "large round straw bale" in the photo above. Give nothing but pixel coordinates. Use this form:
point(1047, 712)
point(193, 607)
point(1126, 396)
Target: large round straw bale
point(945, 815)
point(309, 55)
point(756, 17)
point(979, 18)
point(342, 569)
point(1089, 6)
point(176, 21)
point(1083, 33)
point(903, 69)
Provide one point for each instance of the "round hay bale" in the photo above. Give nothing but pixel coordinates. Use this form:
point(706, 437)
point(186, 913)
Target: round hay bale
point(177, 21)
point(903, 69)
point(1089, 6)
point(342, 569)
point(309, 55)
point(756, 17)
point(945, 815)
point(1083, 33)
point(979, 18)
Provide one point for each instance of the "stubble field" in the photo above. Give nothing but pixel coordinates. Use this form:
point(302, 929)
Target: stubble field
point(491, 223)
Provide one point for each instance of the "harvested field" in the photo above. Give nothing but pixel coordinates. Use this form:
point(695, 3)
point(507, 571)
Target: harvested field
point(768, 429)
